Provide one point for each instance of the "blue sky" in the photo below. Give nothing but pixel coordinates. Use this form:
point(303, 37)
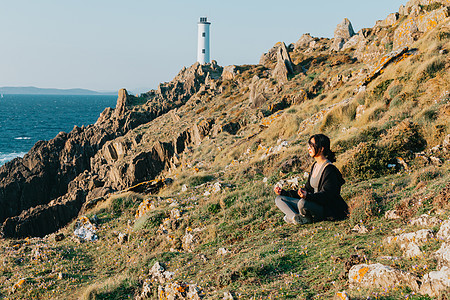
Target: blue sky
point(107, 44)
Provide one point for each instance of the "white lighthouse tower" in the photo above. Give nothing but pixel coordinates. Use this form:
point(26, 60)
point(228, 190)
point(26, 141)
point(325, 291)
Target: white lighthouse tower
point(203, 41)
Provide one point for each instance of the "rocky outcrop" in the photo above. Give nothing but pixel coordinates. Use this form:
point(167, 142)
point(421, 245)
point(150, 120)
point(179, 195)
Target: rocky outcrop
point(259, 87)
point(54, 169)
point(229, 72)
point(304, 41)
point(416, 23)
point(381, 276)
point(342, 33)
point(436, 282)
point(284, 65)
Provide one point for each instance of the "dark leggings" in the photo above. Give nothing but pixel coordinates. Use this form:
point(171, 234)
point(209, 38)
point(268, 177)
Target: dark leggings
point(292, 206)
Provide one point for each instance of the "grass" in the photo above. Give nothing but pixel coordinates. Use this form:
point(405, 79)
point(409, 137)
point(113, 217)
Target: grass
point(266, 258)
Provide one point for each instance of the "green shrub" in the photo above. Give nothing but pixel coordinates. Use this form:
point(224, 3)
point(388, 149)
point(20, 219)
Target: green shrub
point(432, 6)
point(150, 220)
point(403, 139)
point(363, 206)
point(432, 68)
point(213, 208)
point(367, 160)
point(122, 204)
point(381, 88)
point(393, 91)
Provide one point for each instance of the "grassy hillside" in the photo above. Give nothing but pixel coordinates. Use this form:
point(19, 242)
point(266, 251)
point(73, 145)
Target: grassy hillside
point(222, 191)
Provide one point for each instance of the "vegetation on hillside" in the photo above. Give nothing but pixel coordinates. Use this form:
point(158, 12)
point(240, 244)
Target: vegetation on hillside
point(386, 138)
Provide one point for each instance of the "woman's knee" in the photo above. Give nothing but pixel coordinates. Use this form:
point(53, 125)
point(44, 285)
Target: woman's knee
point(278, 199)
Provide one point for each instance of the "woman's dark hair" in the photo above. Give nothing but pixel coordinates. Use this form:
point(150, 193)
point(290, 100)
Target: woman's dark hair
point(322, 141)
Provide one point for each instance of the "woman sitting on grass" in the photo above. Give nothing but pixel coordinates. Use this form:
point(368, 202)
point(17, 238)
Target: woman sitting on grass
point(321, 199)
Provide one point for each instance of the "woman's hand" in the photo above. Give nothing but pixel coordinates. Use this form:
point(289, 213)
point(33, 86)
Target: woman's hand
point(302, 193)
point(277, 190)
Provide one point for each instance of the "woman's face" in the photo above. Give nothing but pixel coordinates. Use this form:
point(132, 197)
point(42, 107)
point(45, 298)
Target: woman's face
point(311, 150)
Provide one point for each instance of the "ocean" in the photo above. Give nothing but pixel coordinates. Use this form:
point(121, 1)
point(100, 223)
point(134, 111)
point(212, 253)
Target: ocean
point(26, 119)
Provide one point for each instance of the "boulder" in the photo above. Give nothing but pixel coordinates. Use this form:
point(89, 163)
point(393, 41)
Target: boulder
point(342, 33)
point(123, 101)
point(85, 230)
point(425, 220)
point(146, 292)
point(444, 231)
point(436, 282)
point(43, 219)
point(269, 59)
point(380, 276)
point(443, 254)
point(189, 241)
point(391, 19)
point(284, 65)
point(304, 41)
point(417, 22)
point(258, 89)
point(420, 237)
point(229, 72)
point(412, 250)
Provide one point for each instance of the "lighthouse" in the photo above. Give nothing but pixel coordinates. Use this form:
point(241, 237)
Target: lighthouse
point(203, 41)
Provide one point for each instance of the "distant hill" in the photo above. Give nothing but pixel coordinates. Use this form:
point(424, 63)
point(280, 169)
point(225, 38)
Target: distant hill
point(29, 90)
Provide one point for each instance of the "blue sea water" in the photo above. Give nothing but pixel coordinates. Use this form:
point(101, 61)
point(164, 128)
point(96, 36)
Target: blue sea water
point(26, 119)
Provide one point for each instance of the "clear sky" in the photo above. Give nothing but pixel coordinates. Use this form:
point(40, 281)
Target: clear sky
point(105, 45)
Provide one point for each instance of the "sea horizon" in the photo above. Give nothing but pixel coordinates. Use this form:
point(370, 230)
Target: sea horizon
point(28, 118)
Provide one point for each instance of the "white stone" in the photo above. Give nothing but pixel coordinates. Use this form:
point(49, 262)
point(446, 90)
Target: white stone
point(378, 275)
point(360, 229)
point(184, 188)
point(412, 250)
point(222, 251)
point(425, 220)
point(175, 213)
point(443, 254)
point(436, 282)
point(391, 215)
point(217, 187)
point(227, 296)
point(420, 237)
point(444, 231)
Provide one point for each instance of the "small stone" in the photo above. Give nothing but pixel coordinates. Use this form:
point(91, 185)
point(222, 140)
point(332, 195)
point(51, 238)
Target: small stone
point(227, 296)
point(59, 237)
point(341, 296)
point(392, 215)
point(123, 238)
point(222, 251)
point(175, 214)
point(360, 229)
point(184, 188)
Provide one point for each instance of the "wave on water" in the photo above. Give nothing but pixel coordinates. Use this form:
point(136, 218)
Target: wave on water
point(5, 157)
point(23, 138)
